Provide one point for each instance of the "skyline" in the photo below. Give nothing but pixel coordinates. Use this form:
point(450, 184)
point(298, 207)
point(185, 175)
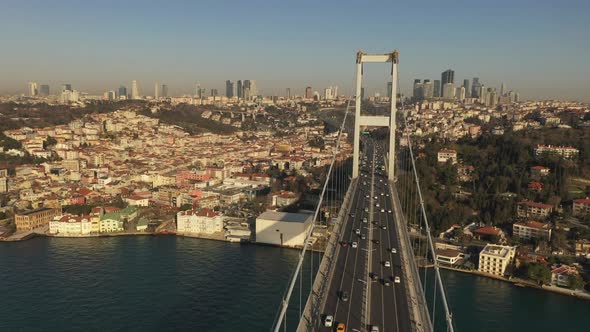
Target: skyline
point(97, 48)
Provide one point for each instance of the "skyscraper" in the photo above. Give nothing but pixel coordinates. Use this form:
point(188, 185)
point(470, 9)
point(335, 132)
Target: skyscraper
point(229, 89)
point(502, 89)
point(32, 89)
point(44, 90)
point(213, 93)
point(388, 89)
point(448, 91)
point(288, 93)
point(253, 88)
point(475, 86)
point(240, 90)
point(122, 92)
point(362, 93)
point(466, 86)
point(66, 87)
point(427, 89)
point(157, 90)
point(436, 88)
point(164, 91)
point(134, 90)
point(308, 93)
point(447, 76)
point(417, 89)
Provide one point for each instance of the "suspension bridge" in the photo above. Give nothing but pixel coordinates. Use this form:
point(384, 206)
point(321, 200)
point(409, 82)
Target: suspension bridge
point(368, 278)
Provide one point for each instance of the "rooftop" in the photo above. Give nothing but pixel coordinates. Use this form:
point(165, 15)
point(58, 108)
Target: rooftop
point(285, 216)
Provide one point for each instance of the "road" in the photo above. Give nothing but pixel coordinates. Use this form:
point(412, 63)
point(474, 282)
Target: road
point(385, 306)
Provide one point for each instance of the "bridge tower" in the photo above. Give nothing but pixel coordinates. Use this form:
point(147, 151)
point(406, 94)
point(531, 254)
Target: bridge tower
point(375, 121)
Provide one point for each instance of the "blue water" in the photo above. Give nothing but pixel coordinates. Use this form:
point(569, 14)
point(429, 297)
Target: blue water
point(185, 284)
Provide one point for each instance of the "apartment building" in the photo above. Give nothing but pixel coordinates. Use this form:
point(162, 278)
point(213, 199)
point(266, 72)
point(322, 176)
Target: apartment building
point(446, 154)
point(32, 219)
point(532, 230)
point(580, 208)
point(495, 259)
point(530, 209)
point(199, 221)
point(567, 152)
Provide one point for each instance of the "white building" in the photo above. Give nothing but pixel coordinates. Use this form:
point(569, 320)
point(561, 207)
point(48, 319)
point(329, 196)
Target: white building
point(69, 225)
point(199, 221)
point(532, 229)
point(282, 228)
point(494, 259)
point(134, 90)
point(446, 154)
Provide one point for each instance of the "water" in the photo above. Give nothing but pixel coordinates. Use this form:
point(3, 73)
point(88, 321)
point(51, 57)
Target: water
point(183, 284)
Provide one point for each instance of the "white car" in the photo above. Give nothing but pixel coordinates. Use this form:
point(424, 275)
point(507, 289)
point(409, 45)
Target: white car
point(328, 321)
point(357, 231)
point(377, 205)
point(382, 194)
point(354, 245)
point(397, 280)
point(387, 264)
point(393, 251)
point(382, 210)
point(364, 220)
point(366, 209)
point(389, 211)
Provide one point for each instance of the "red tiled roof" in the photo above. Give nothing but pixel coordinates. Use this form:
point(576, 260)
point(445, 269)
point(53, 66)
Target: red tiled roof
point(488, 230)
point(536, 204)
point(582, 200)
point(534, 224)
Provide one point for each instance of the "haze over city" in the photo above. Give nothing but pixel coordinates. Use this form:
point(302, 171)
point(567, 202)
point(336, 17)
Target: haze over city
point(98, 46)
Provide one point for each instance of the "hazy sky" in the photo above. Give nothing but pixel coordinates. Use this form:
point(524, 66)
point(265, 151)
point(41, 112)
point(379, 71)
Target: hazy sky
point(539, 48)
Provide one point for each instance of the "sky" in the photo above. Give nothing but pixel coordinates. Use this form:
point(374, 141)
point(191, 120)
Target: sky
point(538, 48)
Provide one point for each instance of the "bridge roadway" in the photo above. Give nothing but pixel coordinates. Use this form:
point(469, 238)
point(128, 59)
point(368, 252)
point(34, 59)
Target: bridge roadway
point(386, 306)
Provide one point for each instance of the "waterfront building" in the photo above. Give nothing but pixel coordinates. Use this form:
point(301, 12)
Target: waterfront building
point(115, 221)
point(70, 225)
point(532, 230)
point(283, 228)
point(561, 275)
point(446, 154)
point(580, 208)
point(530, 209)
point(199, 221)
point(495, 259)
point(29, 220)
point(449, 256)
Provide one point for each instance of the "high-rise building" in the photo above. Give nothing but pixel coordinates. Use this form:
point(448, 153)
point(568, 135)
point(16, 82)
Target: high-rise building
point(482, 94)
point(447, 76)
point(328, 93)
point(362, 93)
point(437, 88)
point(229, 89)
point(164, 91)
point(157, 90)
point(417, 90)
point(427, 89)
point(308, 93)
point(516, 97)
point(388, 89)
point(288, 93)
point(502, 89)
point(460, 93)
point(466, 86)
point(448, 91)
point(32, 89)
point(240, 90)
point(475, 88)
point(44, 90)
point(112, 95)
point(335, 92)
point(253, 88)
point(134, 90)
point(122, 92)
point(66, 87)
point(213, 93)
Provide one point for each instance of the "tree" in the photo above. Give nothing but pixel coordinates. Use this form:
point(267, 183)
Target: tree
point(575, 281)
point(539, 273)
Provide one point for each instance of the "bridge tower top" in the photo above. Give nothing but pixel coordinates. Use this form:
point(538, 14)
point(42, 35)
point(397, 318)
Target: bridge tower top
point(375, 121)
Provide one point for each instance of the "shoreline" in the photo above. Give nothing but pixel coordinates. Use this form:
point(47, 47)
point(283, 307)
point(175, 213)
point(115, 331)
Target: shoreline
point(522, 283)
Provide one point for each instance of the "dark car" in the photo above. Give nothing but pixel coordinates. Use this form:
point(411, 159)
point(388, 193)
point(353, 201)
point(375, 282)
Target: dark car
point(374, 276)
point(376, 241)
point(344, 296)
